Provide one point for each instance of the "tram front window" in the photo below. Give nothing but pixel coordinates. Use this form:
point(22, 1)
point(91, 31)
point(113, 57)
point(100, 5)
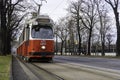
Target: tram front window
point(42, 32)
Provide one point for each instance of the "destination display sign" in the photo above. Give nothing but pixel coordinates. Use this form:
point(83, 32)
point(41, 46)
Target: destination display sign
point(43, 20)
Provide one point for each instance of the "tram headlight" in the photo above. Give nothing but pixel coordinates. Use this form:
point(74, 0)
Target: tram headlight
point(43, 47)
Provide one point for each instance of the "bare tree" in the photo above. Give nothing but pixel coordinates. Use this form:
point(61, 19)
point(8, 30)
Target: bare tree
point(10, 20)
point(62, 32)
point(56, 30)
point(88, 19)
point(74, 9)
point(109, 40)
point(104, 22)
point(71, 35)
point(115, 4)
point(13, 20)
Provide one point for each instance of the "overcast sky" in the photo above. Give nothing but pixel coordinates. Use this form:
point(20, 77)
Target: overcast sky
point(55, 8)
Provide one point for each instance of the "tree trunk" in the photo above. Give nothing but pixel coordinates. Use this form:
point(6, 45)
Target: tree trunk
point(0, 27)
point(89, 42)
point(3, 28)
point(62, 47)
point(118, 43)
point(103, 48)
point(78, 29)
point(65, 47)
point(79, 48)
point(118, 33)
point(8, 43)
point(56, 48)
point(109, 46)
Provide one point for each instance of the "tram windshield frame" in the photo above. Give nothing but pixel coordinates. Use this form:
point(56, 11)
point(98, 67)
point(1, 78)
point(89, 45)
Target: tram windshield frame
point(42, 32)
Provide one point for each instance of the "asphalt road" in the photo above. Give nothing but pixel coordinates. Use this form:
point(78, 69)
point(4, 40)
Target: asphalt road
point(108, 63)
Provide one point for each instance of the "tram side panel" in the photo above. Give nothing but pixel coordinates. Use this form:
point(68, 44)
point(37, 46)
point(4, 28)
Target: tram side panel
point(24, 49)
point(19, 50)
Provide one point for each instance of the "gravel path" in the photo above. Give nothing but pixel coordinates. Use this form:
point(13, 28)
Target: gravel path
point(18, 72)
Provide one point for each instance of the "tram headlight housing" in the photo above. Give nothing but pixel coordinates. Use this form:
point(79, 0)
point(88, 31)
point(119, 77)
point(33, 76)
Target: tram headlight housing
point(43, 47)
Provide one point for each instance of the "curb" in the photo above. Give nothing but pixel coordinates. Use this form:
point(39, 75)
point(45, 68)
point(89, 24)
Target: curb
point(11, 69)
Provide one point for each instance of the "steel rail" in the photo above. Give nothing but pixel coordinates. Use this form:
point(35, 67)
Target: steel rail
point(28, 65)
point(52, 74)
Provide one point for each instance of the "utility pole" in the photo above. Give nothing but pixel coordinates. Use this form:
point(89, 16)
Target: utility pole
point(39, 5)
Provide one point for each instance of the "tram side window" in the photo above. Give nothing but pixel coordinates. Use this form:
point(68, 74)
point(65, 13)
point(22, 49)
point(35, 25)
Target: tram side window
point(21, 37)
point(27, 32)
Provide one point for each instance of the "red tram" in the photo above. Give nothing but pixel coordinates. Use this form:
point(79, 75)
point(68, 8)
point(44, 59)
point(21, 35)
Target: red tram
point(36, 40)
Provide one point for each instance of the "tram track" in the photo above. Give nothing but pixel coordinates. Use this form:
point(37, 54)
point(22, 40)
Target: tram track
point(72, 69)
point(52, 74)
point(35, 72)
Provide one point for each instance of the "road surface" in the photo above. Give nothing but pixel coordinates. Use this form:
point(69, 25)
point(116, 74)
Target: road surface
point(108, 63)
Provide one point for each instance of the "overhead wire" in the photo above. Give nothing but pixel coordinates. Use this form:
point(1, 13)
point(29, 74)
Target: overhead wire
point(56, 7)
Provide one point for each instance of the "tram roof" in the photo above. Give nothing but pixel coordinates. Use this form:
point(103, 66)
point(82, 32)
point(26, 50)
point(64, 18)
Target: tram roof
point(41, 19)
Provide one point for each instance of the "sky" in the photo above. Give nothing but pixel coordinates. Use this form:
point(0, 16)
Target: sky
point(54, 8)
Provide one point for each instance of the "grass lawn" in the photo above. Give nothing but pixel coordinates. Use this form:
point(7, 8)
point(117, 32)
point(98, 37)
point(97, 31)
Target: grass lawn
point(5, 62)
